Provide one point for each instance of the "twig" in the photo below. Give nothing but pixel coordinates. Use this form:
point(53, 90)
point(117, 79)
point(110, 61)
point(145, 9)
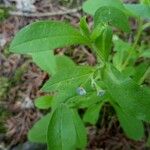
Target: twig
point(47, 14)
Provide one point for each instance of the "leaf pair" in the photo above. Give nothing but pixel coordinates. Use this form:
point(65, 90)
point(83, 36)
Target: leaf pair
point(66, 130)
point(61, 130)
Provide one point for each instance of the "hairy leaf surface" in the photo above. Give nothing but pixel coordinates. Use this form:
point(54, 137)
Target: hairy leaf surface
point(61, 133)
point(38, 132)
point(45, 36)
point(132, 98)
point(113, 16)
point(92, 113)
point(71, 75)
point(80, 131)
point(132, 127)
point(44, 102)
point(138, 10)
point(91, 6)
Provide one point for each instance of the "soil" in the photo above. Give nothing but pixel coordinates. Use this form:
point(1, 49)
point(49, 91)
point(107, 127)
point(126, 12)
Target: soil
point(21, 79)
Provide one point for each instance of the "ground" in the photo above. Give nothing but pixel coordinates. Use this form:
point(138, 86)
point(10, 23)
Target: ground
point(21, 79)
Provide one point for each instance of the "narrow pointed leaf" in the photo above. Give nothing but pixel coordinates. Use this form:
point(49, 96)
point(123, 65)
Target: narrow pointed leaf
point(80, 131)
point(84, 27)
point(104, 42)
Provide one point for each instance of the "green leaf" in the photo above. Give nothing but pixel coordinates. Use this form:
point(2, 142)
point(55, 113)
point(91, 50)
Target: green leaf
point(61, 133)
point(50, 63)
point(140, 71)
point(91, 6)
point(138, 10)
point(45, 36)
point(112, 15)
point(92, 113)
point(132, 127)
point(63, 62)
point(44, 102)
point(145, 53)
point(146, 2)
point(84, 27)
point(97, 31)
point(45, 60)
point(38, 132)
point(104, 42)
point(80, 131)
point(127, 94)
point(67, 77)
point(122, 50)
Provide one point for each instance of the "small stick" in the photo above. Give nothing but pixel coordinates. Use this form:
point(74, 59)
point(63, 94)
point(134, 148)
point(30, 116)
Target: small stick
point(47, 14)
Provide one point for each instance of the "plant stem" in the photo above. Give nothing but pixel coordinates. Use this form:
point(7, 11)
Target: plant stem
point(137, 37)
point(144, 76)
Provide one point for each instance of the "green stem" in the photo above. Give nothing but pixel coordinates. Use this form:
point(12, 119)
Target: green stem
point(137, 37)
point(144, 76)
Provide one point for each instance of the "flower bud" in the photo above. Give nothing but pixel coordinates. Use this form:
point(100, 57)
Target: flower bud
point(81, 91)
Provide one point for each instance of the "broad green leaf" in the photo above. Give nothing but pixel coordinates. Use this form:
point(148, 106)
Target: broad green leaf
point(61, 133)
point(63, 61)
point(80, 131)
point(45, 36)
point(132, 127)
point(104, 42)
point(145, 53)
point(92, 113)
point(112, 15)
point(38, 132)
point(122, 50)
point(140, 71)
point(45, 60)
point(128, 71)
point(44, 102)
point(127, 94)
point(91, 6)
point(133, 10)
point(50, 63)
point(67, 77)
point(138, 10)
point(84, 27)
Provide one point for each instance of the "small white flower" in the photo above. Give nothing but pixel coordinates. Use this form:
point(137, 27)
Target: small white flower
point(81, 91)
point(101, 93)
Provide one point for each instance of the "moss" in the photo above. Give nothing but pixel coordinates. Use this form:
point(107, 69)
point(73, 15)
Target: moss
point(3, 116)
point(19, 73)
point(4, 85)
point(3, 13)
